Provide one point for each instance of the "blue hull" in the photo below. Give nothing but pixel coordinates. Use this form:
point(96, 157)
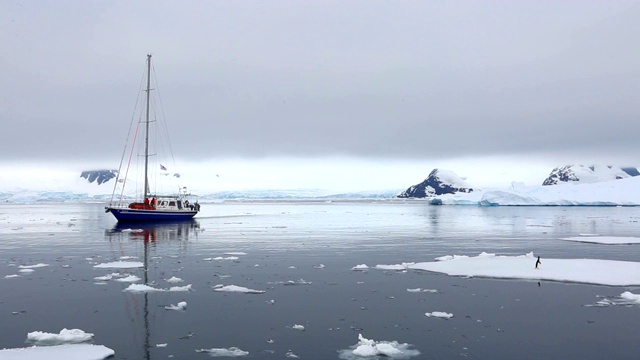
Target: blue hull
point(134, 215)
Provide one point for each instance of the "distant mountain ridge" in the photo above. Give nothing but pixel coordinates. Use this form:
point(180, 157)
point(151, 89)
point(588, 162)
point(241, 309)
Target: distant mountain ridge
point(438, 182)
point(588, 174)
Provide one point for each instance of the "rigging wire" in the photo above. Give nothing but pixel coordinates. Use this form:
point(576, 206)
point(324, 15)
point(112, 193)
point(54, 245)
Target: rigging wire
point(124, 151)
point(164, 123)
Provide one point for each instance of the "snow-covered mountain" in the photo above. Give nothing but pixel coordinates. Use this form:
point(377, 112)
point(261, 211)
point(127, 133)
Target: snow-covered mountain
point(438, 182)
point(588, 174)
point(99, 176)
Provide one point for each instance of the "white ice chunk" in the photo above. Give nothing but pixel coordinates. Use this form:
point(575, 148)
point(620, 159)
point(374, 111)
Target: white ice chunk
point(65, 336)
point(366, 348)
point(235, 288)
point(439, 314)
point(222, 352)
point(631, 297)
point(119, 265)
point(59, 352)
point(33, 266)
point(360, 267)
point(181, 306)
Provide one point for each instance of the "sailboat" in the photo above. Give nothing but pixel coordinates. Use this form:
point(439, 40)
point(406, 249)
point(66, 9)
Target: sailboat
point(150, 206)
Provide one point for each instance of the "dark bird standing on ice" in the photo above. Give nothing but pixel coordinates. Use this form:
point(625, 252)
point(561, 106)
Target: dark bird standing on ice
point(538, 262)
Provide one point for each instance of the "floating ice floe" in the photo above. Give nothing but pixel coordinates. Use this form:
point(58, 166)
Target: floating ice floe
point(401, 267)
point(219, 352)
point(120, 265)
point(26, 270)
point(587, 271)
point(321, 266)
point(33, 266)
point(130, 278)
point(239, 253)
point(142, 288)
point(635, 298)
point(181, 306)
point(128, 257)
point(11, 276)
point(180, 288)
point(58, 352)
point(360, 267)
point(439, 314)
point(366, 348)
point(419, 290)
point(298, 327)
point(221, 258)
point(161, 345)
point(103, 278)
point(297, 282)
point(65, 336)
point(235, 288)
point(606, 240)
point(173, 279)
point(147, 288)
point(626, 298)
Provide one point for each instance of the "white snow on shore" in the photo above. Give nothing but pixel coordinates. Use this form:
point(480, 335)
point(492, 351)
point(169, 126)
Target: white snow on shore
point(623, 192)
point(606, 240)
point(235, 288)
point(58, 352)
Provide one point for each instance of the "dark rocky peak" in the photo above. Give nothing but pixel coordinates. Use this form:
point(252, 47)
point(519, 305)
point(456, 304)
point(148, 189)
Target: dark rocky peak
point(438, 182)
point(99, 176)
point(588, 174)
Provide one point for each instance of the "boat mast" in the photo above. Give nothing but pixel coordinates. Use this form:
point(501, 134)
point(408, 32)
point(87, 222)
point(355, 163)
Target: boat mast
point(146, 134)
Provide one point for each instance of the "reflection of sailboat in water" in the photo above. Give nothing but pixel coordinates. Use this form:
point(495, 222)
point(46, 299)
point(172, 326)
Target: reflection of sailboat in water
point(151, 235)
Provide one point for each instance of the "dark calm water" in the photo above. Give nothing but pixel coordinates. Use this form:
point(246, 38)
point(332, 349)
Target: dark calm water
point(289, 241)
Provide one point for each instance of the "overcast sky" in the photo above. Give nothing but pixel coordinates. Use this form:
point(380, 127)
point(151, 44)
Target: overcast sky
point(387, 84)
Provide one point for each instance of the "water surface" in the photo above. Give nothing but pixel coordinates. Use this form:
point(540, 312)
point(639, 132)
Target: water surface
point(315, 244)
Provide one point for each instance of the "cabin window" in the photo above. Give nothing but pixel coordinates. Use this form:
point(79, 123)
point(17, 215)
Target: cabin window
point(164, 203)
point(172, 203)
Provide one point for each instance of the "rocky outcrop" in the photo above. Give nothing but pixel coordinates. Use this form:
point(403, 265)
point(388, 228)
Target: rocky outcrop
point(438, 182)
point(588, 174)
point(99, 176)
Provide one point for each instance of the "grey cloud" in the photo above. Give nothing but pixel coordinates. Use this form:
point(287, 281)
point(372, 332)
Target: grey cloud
point(366, 79)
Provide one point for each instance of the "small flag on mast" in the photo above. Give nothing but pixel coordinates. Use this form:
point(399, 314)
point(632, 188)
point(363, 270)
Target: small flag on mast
point(162, 167)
